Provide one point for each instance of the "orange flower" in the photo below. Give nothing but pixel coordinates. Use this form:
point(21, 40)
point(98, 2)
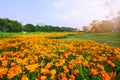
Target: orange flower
point(75, 62)
point(31, 68)
point(94, 59)
point(45, 71)
point(43, 78)
point(58, 76)
point(110, 63)
point(14, 70)
point(64, 78)
point(93, 72)
point(56, 64)
point(10, 75)
point(85, 63)
point(65, 69)
point(113, 74)
point(52, 76)
point(3, 71)
point(100, 67)
point(24, 77)
point(76, 71)
point(4, 63)
point(105, 76)
point(62, 61)
point(49, 65)
point(63, 75)
point(71, 77)
point(53, 72)
point(70, 66)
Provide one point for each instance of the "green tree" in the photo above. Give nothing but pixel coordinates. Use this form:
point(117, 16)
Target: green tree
point(7, 25)
point(29, 28)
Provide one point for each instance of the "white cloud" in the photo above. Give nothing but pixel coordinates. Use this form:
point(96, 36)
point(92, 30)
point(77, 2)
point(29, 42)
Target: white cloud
point(59, 3)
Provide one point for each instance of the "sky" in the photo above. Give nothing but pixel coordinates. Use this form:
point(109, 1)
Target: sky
point(69, 13)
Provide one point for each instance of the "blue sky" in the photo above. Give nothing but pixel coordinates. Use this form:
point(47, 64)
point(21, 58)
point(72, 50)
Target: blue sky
point(73, 13)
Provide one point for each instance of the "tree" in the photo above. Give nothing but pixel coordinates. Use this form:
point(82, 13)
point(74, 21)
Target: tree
point(7, 25)
point(29, 28)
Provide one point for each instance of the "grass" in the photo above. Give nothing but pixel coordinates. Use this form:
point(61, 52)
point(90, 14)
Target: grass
point(8, 34)
point(112, 39)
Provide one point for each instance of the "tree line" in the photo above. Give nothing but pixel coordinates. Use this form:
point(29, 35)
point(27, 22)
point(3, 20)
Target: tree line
point(7, 25)
point(112, 25)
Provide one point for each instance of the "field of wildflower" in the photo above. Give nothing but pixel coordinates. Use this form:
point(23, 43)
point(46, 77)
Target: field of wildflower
point(45, 57)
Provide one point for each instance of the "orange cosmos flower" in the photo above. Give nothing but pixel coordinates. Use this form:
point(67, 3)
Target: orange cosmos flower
point(31, 68)
point(53, 72)
point(43, 78)
point(113, 74)
point(64, 78)
point(76, 71)
point(10, 75)
point(52, 76)
point(101, 67)
point(85, 63)
point(58, 76)
point(63, 75)
point(93, 72)
point(62, 61)
point(3, 71)
point(4, 63)
point(56, 64)
point(70, 66)
point(49, 65)
point(24, 77)
point(105, 76)
point(65, 69)
point(71, 77)
point(14, 70)
point(110, 63)
point(44, 71)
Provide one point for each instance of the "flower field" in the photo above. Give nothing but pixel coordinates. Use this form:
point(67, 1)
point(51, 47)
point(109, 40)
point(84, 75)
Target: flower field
point(44, 57)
